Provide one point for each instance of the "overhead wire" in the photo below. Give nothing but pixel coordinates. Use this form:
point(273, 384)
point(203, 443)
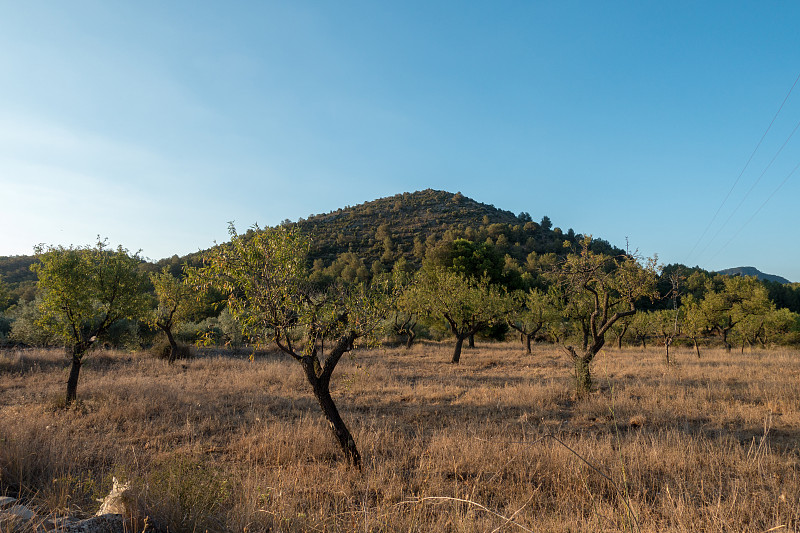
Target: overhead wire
point(749, 191)
point(789, 175)
point(747, 164)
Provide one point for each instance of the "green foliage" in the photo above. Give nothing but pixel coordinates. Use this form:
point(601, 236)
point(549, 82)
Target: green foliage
point(84, 291)
point(16, 272)
point(469, 259)
point(270, 295)
point(695, 322)
point(599, 290)
point(467, 304)
point(464, 302)
point(784, 295)
point(5, 295)
point(5, 328)
point(781, 326)
point(268, 292)
point(25, 328)
point(531, 312)
point(176, 301)
point(731, 301)
point(264, 277)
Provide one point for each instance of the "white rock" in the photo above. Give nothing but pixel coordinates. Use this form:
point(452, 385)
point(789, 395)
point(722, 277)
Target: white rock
point(20, 512)
point(118, 500)
point(6, 501)
point(107, 523)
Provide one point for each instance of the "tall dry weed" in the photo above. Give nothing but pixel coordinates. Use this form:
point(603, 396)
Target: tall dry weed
point(497, 443)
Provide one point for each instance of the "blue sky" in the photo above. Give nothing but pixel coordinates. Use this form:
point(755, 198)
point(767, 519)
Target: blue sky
point(155, 123)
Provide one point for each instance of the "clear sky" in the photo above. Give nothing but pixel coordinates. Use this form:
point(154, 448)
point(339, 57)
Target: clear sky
point(155, 123)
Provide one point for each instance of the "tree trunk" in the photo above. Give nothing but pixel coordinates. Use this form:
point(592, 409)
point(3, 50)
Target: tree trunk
point(411, 335)
point(583, 378)
point(72, 382)
point(696, 347)
point(725, 340)
point(457, 351)
point(528, 340)
point(621, 335)
point(471, 343)
point(340, 431)
point(667, 342)
point(78, 349)
point(173, 346)
point(322, 393)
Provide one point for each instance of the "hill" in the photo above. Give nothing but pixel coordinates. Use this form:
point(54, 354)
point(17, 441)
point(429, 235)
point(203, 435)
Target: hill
point(752, 271)
point(370, 237)
point(406, 224)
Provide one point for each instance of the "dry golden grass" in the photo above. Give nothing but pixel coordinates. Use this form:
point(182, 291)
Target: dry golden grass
point(497, 443)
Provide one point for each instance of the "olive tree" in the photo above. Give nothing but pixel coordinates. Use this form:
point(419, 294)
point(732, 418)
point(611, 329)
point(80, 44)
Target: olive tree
point(83, 293)
point(612, 286)
point(264, 275)
point(467, 304)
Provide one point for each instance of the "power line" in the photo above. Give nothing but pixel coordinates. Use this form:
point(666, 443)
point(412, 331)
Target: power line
point(750, 190)
point(789, 175)
point(744, 168)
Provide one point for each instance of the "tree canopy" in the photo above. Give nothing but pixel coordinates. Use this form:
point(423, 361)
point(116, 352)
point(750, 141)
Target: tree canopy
point(83, 292)
point(264, 276)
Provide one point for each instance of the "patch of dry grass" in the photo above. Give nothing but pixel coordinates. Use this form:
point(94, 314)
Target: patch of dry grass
point(496, 443)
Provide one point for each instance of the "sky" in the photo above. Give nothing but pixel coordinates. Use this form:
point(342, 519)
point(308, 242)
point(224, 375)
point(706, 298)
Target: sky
point(153, 124)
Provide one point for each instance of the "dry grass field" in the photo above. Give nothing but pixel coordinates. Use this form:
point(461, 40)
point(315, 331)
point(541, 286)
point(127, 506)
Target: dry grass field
point(495, 444)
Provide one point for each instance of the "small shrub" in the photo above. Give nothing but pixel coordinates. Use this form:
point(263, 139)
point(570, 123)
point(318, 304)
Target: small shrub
point(182, 494)
point(162, 350)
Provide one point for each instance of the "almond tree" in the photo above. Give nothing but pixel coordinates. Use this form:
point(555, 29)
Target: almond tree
point(695, 322)
point(640, 328)
point(529, 312)
point(405, 312)
point(726, 306)
point(666, 324)
point(467, 304)
point(264, 276)
point(83, 292)
point(612, 285)
point(176, 301)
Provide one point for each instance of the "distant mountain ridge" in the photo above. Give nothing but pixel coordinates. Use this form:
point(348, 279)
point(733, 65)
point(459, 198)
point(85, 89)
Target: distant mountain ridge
point(753, 271)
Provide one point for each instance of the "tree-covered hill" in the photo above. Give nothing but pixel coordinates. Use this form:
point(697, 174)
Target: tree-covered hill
point(406, 224)
point(17, 276)
point(372, 236)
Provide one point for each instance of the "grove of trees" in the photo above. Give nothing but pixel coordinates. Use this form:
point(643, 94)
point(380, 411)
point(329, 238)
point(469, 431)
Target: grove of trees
point(274, 286)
